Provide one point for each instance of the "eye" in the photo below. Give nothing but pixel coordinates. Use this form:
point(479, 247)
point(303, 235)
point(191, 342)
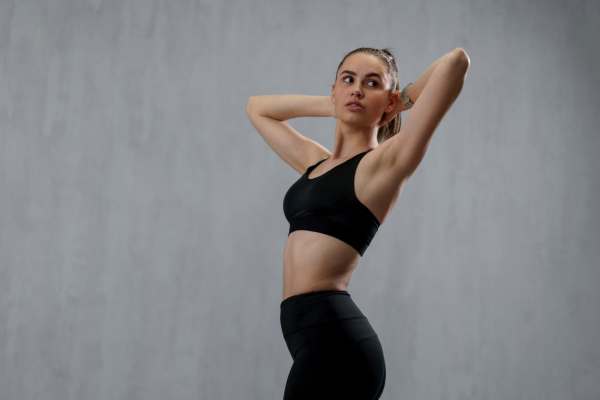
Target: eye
point(370, 81)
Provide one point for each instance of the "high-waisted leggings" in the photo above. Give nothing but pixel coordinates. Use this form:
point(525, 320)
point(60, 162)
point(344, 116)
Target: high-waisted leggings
point(336, 352)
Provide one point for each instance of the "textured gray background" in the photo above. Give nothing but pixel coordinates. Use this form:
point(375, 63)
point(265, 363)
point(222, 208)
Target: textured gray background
point(141, 220)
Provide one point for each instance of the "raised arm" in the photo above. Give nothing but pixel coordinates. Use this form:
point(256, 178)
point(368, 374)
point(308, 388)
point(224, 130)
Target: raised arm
point(267, 114)
point(432, 94)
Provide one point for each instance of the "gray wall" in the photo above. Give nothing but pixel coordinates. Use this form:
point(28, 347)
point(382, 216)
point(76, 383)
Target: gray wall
point(141, 220)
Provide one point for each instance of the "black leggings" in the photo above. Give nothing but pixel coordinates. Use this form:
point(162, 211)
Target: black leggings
point(336, 352)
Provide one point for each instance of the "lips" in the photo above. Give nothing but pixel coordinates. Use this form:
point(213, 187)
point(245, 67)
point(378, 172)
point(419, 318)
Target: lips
point(355, 103)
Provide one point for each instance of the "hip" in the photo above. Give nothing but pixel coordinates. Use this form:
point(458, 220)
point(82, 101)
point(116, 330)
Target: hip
point(328, 320)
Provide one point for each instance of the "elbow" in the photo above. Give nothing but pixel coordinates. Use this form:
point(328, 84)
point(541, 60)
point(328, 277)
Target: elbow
point(462, 57)
point(249, 105)
point(458, 63)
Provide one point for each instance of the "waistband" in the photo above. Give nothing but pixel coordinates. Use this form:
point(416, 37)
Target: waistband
point(313, 308)
point(320, 293)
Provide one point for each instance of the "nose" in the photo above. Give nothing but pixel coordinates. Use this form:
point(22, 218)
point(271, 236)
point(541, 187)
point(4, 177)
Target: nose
point(356, 91)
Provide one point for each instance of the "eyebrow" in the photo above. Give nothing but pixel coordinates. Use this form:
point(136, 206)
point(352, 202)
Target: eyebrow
point(367, 75)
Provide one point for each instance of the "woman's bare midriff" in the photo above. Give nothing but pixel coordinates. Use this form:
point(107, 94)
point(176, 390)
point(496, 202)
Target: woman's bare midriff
point(313, 261)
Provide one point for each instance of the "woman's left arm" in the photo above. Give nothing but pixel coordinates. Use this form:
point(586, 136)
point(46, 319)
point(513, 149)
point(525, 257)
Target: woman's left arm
point(417, 86)
point(414, 90)
point(432, 94)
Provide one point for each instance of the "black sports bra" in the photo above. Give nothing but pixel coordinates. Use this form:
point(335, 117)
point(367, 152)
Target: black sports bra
point(328, 204)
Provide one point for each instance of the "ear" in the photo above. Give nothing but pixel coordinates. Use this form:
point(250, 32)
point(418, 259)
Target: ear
point(394, 98)
point(332, 95)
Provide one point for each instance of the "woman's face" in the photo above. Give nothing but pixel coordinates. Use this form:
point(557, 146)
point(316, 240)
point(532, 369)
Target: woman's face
point(362, 77)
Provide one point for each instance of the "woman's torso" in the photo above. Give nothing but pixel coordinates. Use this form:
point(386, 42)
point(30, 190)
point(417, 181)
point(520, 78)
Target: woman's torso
point(314, 261)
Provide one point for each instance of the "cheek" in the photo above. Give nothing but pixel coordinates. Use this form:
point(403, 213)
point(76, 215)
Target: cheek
point(383, 103)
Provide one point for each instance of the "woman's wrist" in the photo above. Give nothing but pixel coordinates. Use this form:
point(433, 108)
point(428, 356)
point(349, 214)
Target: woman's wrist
point(410, 93)
point(412, 99)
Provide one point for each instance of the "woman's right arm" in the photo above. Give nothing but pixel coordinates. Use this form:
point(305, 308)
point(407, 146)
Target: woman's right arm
point(268, 113)
point(288, 106)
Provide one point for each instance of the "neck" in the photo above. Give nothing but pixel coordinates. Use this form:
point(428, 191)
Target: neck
point(351, 140)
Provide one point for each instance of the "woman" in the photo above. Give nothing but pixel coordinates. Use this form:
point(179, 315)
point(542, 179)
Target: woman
point(338, 204)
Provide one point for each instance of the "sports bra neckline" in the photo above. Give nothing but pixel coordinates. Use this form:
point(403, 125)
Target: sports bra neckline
point(311, 168)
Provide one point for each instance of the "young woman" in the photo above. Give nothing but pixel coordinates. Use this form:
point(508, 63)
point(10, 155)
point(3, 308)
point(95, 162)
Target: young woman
point(338, 204)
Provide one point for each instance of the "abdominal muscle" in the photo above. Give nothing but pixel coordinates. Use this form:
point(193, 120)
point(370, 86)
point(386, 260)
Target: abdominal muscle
point(313, 261)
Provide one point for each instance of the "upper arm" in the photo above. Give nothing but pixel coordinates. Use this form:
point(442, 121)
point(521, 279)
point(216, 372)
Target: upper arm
point(404, 151)
point(295, 149)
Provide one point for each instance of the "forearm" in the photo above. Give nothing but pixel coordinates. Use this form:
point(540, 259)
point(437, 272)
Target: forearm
point(287, 106)
point(417, 87)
